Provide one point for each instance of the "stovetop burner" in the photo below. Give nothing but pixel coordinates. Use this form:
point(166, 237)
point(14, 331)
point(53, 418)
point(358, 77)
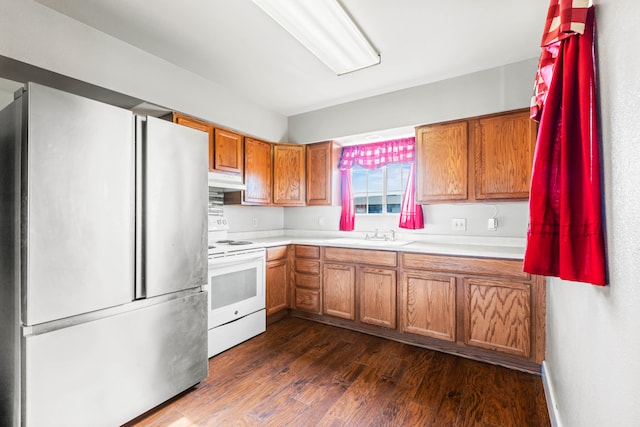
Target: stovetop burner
point(234, 242)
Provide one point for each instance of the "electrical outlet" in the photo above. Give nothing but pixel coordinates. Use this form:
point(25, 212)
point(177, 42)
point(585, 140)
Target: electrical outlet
point(492, 224)
point(320, 220)
point(254, 221)
point(459, 224)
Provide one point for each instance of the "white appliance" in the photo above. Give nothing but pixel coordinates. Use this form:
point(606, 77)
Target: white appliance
point(236, 287)
point(103, 261)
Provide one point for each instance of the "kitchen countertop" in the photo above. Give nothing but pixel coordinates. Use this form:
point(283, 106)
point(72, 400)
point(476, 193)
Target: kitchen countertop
point(475, 246)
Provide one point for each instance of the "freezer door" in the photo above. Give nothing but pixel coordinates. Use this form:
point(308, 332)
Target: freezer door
point(78, 203)
point(108, 371)
point(172, 230)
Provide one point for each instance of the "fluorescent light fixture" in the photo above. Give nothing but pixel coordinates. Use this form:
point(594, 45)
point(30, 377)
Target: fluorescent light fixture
point(323, 27)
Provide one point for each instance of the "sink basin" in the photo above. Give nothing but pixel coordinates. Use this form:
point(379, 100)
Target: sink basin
point(349, 241)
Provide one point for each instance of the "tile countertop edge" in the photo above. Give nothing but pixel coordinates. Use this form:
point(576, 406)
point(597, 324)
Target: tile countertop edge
point(417, 246)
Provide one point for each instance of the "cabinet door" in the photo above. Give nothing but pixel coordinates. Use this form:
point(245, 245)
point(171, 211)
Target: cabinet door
point(199, 125)
point(228, 151)
point(429, 305)
point(277, 273)
point(319, 171)
point(288, 176)
point(339, 290)
point(504, 147)
point(257, 172)
point(498, 315)
point(442, 162)
point(378, 297)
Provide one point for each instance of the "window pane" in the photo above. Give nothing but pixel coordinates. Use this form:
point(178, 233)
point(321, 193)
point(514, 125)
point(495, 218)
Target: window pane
point(375, 181)
point(358, 179)
point(375, 203)
point(394, 202)
point(360, 203)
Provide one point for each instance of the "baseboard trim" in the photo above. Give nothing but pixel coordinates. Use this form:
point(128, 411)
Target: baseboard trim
point(550, 396)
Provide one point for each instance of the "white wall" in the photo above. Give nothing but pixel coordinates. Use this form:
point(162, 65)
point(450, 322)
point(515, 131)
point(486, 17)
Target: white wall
point(593, 333)
point(512, 219)
point(494, 90)
point(241, 218)
point(41, 37)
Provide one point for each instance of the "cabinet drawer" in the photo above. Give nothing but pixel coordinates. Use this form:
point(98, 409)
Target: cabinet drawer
point(276, 252)
point(307, 266)
point(360, 256)
point(308, 252)
point(308, 300)
point(307, 281)
point(476, 266)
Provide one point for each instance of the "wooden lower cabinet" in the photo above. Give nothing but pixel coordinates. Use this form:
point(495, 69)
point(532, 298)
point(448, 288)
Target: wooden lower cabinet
point(428, 305)
point(307, 294)
point(339, 290)
point(277, 283)
point(483, 308)
point(497, 315)
point(378, 297)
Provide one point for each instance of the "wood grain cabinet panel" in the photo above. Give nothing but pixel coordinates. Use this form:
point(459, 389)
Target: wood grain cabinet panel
point(362, 256)
point(307, 300)
point(322, 165)
point(442, 162)
point(288, 174)
point(277, 284)
point(228, 151)
point(307, 266)
point(378, 289)
point(257, 172)
point(303, 251)
point(338, 290)
point(307, 284)
point(498, 315)
point(429, 305)
point(504, 146)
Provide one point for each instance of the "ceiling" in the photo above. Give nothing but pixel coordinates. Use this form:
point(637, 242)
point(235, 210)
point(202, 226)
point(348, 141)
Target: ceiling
point(235, 44)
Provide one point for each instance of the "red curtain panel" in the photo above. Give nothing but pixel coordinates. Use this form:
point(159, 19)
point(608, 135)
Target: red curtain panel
point(565, 237)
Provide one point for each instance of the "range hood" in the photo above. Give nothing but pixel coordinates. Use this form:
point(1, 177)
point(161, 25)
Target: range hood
point(225, 182)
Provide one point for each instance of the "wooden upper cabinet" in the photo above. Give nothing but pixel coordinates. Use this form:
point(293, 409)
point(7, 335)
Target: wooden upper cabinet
point(322, 165)
point(225, 147)
point(199, 125)
point(228, 151)
point(442, 156)
point(288, 174)
point(504, 146)
point(482, 158)
point(257, 172)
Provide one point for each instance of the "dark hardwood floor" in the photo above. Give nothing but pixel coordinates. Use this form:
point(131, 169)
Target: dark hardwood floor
point(302, 373)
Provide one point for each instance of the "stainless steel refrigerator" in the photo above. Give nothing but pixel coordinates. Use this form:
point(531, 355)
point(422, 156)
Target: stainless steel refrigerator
point(103, 240)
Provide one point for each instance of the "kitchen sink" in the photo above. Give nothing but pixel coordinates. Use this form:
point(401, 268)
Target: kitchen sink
point(349, 241)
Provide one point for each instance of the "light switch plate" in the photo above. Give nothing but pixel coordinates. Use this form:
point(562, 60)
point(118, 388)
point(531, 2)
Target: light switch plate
point(459, 224)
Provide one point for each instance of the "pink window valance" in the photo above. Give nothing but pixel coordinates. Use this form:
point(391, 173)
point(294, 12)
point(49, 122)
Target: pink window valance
point(372, 156)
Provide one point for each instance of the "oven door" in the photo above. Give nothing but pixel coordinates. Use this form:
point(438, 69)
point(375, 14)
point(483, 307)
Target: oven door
point(236, 287)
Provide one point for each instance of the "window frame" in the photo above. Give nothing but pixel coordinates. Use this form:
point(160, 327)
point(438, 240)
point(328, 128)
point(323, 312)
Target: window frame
point(384, 189)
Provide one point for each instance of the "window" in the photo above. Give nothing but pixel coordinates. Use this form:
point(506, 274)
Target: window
point(378, 191)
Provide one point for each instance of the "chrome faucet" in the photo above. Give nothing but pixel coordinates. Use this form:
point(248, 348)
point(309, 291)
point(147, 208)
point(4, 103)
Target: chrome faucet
point(376, 235)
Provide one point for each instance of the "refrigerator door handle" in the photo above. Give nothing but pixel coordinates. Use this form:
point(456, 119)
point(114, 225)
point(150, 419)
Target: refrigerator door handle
point(140, 130)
